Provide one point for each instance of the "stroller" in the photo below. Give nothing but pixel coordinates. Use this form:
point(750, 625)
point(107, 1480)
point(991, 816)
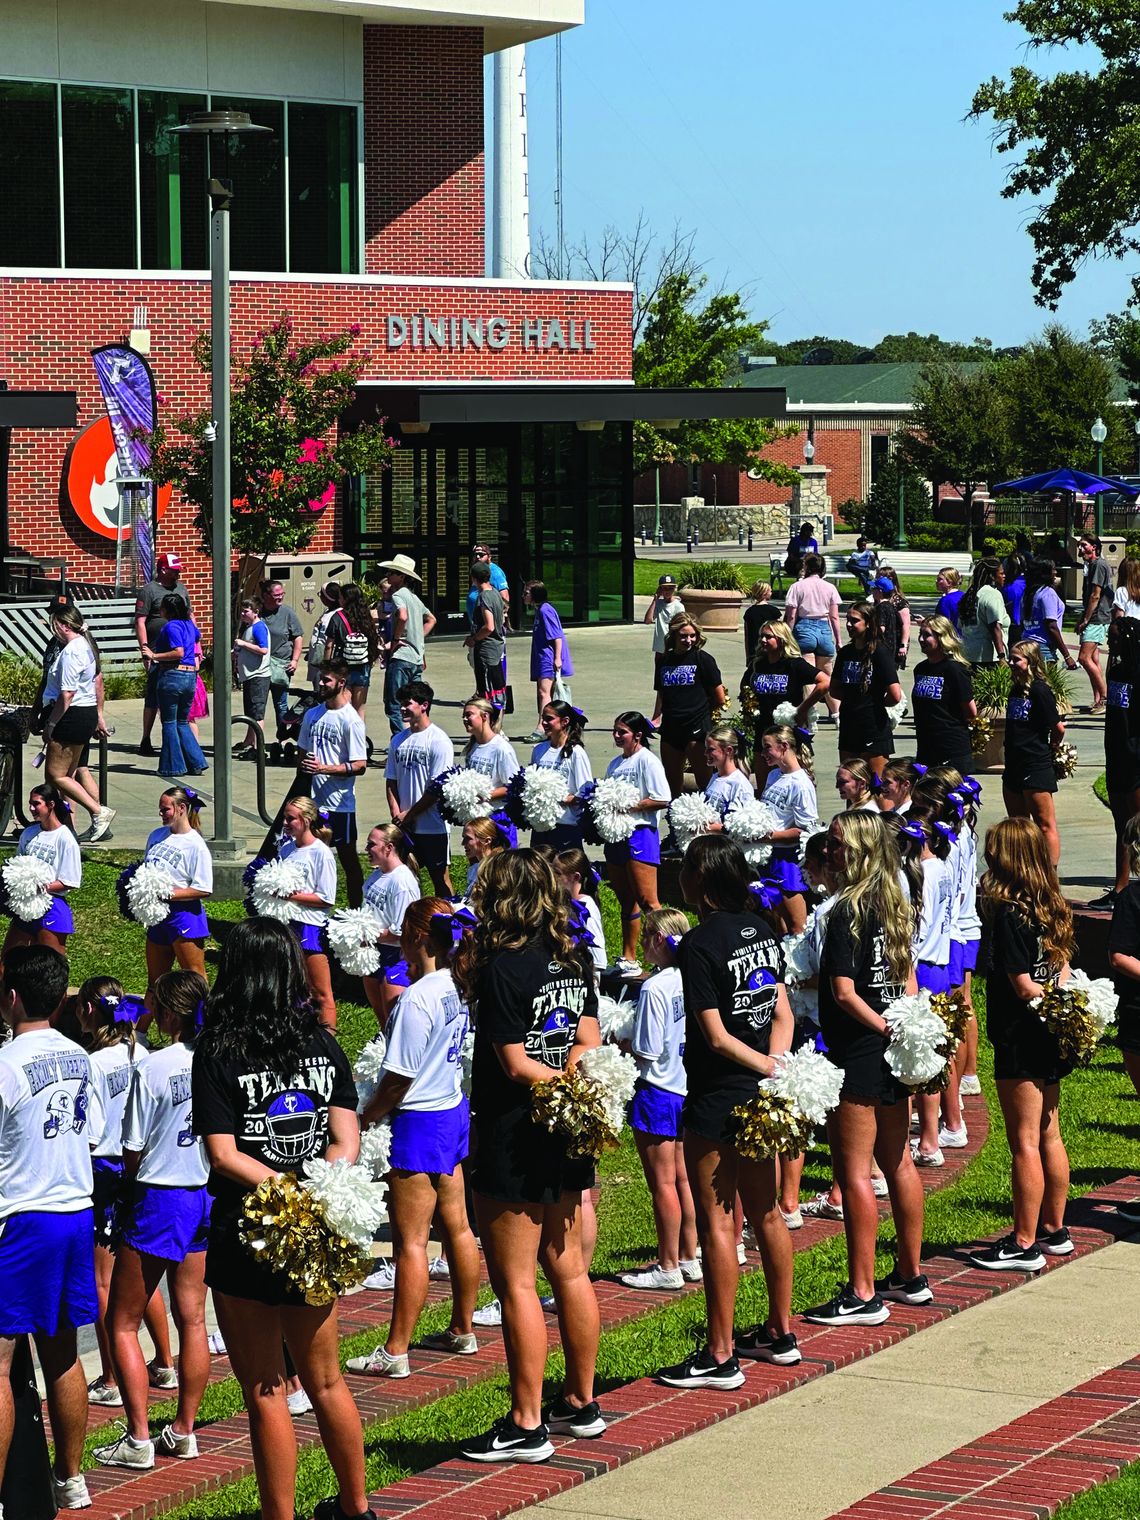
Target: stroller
point(283, 751)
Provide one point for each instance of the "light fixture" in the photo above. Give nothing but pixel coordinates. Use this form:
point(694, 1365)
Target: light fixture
point(1098, 432)
point(809, 451)
point(665, 424)
point(408, 428)
point(590, 425)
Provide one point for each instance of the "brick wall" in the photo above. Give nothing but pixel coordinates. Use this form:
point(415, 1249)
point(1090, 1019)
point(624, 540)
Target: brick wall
point(423, 150)
point(50, 324)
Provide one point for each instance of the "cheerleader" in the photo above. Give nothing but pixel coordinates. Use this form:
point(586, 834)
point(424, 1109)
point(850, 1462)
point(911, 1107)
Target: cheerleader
point(480, 838)
point(1033, 730)
point(942, 698)
point(271, 1090)
point(563, 751)
point(737, 1020)
point(658, 1047)
point(307, 845)
point(487, 751)
point(1122, 741)
point(1030, 941)
point(896, 784)
point(1123, 944)
point(633, 863)
point(49, 838)
point(578, 879)
point(858, 786)
point(865, 684)
point(391, 887)
point(163, 1230)
point(107, 1019)
point(179, 849)
point(689, 690)
point(789, 791)
point(419, 1091)
point(865, 964)
point(531, 994)
point(779, 673)
point(728, 786)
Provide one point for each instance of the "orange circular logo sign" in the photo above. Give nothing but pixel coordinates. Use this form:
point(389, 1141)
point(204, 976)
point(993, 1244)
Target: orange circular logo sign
point(91, 474)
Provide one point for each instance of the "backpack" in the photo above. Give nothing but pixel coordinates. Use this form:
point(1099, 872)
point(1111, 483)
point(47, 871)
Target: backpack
point(355, 644)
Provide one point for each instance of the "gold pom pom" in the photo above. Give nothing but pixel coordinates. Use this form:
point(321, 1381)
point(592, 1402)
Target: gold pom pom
point(981, 732)
point(285, 1229)
point(572, 1106)
point(1066, 1016)
point(953, 1010)
point(768, 1125)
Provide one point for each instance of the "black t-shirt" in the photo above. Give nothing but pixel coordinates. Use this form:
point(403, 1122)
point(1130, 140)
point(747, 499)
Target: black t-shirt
point(940, 690)
point(785, 681)
point(863, 712)
point(525, 997)
point(1121, 715)
point(280, 1123)
point(348, 645)
point(864, 962)
point(1124, 939)
point(686, 683)
point(890, 624)
point(732, 962)
point(754, 619)
point(1012, 947)
point(1029, 719)
point(148, 604)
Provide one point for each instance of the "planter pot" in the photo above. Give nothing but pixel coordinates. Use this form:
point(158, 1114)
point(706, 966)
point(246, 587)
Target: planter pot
point(716, 611)
point(991, 761)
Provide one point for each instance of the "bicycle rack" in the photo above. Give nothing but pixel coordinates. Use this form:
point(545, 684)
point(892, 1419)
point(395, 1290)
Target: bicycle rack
point(259, 750)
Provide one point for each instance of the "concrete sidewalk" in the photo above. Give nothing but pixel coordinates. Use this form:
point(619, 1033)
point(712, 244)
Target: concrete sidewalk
point(819, 1448)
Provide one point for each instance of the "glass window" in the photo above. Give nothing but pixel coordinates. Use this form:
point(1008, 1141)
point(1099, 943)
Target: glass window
point(29, 174)
point(322, 189)
point(172, 184)
point(99, 178)
point(256, 164)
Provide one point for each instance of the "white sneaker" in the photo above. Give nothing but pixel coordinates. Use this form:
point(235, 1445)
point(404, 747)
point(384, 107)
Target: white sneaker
point(627, 968)
point(383, 1280)
point(794, 1220)
point(452, 1342)
point(489, 1314)
point(953, 1139)
point(547, 1303)
point(102, 1392)
point(741, 1253)
point(921, 1158)
point(216, 1343)
point(101, 822)
point(691, 1270)
point(172, 1444)
point(298, 1402)
point(125, 1452)
point(659, 1278)
point(380, 1364)
point(161, 1377)
point(879, 1186)
point(970, 1087)
point(438, 1268)
point(71, 1493)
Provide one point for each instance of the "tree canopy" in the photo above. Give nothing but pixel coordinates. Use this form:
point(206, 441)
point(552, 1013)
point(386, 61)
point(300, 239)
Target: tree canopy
point(1077, 133)
point(894, 348)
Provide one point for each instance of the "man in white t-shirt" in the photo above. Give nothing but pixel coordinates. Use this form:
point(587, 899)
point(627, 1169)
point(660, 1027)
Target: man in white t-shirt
point(49, 1118)
point(418, 755)
point(333, 747)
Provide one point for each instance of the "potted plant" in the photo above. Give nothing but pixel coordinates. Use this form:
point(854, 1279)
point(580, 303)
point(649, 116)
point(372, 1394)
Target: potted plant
point(992, 685)
point(713, 592)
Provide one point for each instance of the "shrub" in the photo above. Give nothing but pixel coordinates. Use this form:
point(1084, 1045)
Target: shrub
point(996, 548)
point(716, 575)
point(19, 678)
point(881, 513)
point(935, 535)
point(125, 681)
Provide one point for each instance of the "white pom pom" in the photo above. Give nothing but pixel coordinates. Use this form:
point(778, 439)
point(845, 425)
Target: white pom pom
point(148, 894)
point(466, 1060)
point(466, 795)
point(800, 959)
point(25, 877)
point(751, 822)
point(897, 713)
point(689, 815)
point(804, 1002)
point(353, 1201)
point(352, 936)
point(917, 1032)
point(273, 886)
point(543, 791)
point(610, 805)
point(376, 1149)
point(784, 715)
point(366, 1072)
point(1102, 997)
point(616, 1019)
point(809, 1081)
point(615, 1073)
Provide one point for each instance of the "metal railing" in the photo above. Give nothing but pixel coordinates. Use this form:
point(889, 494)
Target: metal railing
point(239, 720)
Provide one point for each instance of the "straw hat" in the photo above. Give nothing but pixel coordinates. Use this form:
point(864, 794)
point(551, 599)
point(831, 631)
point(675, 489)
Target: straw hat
point(403, 565)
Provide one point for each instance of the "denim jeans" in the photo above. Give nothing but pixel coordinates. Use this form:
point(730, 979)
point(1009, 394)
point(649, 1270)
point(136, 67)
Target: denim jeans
point(398, 675)
point(181, 752)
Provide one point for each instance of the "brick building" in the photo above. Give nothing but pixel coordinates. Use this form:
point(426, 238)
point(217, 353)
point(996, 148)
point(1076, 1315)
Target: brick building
point(512, 400)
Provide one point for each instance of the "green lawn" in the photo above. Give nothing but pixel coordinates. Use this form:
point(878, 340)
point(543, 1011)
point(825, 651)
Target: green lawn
point(647, 572)
point(1118, 1500)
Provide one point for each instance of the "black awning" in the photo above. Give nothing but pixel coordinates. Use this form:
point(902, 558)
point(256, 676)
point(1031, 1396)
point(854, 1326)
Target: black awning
point(38, 409)
point(584, 403)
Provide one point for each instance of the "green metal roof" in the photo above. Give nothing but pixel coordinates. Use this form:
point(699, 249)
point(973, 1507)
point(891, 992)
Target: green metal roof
point(869, 384)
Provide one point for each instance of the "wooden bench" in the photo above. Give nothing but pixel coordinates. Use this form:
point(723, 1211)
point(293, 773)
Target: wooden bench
point(25, 629)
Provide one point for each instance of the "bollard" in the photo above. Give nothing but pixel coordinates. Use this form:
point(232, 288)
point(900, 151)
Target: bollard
point(740, 535)
point(750, 538)
point(697, 536)
point(689, 544)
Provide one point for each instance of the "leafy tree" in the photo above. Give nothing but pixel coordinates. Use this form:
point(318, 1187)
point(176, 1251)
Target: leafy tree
point(1076, 134)
point(961, 423)
point(915, 348)
point(285, 401)
point(841, 351)
point(1056, 389)
point(1117, 337)
point(881, 509)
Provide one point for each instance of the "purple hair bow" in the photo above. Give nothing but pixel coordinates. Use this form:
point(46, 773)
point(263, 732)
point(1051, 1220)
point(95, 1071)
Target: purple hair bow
point(767, 892)
point(913, 830)
point(128, 1009)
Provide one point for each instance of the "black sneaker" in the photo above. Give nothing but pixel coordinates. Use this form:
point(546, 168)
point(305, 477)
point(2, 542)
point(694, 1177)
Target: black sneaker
point(147, 748)
point(847, 1308)
point(761, 1346)
point(1130, 1210)
point(586, 1423)
point(701, 1371)
point(1106, 903)
point(508, 1442)
point(1007, 1256)
point(329, 1509)
point(915, 1290)
point(1058, 1243)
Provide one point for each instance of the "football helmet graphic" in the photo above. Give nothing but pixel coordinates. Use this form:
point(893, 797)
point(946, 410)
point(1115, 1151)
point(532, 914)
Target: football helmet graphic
point(552, 1041)
point(291, 1124)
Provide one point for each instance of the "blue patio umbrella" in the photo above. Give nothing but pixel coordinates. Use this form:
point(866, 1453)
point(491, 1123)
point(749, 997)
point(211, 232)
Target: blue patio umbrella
point(1068, 480)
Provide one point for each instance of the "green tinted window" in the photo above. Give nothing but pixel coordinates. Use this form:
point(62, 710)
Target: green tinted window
point(172, 183)
point(322, 189)
point(99, 178)
point(29, 173)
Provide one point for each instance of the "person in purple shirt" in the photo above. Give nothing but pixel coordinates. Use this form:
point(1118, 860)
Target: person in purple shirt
point(950, 593)
point(549, 650)
point(178, 640)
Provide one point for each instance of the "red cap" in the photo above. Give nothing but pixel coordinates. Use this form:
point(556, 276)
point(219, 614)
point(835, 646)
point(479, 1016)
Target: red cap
point(169, 562)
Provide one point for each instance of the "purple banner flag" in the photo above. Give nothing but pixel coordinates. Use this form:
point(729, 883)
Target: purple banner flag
point(127, 384)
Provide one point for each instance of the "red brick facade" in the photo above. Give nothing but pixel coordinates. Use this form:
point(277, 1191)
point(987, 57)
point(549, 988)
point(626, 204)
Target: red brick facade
point(49, 324)
point(423, 150)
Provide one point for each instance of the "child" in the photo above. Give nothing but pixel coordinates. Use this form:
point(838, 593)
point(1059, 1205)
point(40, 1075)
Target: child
point(164, 1231)
point(658, 1046)
point(579, 880)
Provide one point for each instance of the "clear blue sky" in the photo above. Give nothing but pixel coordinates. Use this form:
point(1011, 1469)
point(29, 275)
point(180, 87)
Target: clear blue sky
point(819, 152)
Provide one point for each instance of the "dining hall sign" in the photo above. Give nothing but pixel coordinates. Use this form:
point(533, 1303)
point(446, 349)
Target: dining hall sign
point(462, 334)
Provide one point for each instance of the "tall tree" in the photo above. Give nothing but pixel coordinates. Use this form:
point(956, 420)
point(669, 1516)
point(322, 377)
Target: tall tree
point(1056, 389)
point(1076, 132)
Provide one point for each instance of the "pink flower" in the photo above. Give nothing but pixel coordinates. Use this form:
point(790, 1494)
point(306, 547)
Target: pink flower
point(325, 499)
point(355, 330)
point(311, 450)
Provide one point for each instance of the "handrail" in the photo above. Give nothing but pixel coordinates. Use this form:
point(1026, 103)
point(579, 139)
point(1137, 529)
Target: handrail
point(259, 759)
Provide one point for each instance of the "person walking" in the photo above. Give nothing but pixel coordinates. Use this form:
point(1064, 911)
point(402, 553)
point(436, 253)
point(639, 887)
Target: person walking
point(487, 641)
point(71, 695)
point(983, 618)
point(149, 619)
point(948, 584)
point(329, 598)
point(354, 643)
point(412, 623)
point(251, 672)
point(866, 683)
point(175, 654)
point(942, 697)
point(664, 607)
point(285, 639)
point(550, 662)
point(1046, 612)
point(332, 749)
point(1033, 731)
point(1096, 614)
point(811, 611)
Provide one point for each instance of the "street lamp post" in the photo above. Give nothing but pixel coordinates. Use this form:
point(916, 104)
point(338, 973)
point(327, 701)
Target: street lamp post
point(1098, 433)
point(221, 126)
point(1137, 426)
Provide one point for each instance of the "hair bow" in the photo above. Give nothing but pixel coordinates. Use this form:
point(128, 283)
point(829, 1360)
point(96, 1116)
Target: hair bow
point(767, 892)
point(128, 1009)
point(199, 1013)
point(462, 922)
point(958, 801)
point(322, 815)
point(913, 830)
point(876, 784)
point(971, 787)
point(580, 715)
point(506, 828)
point(947, 830)
point(919, 768)
point(804, 733)
point(193, 798)
point(578, 926)
point(673, 940)
point(67, 805)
